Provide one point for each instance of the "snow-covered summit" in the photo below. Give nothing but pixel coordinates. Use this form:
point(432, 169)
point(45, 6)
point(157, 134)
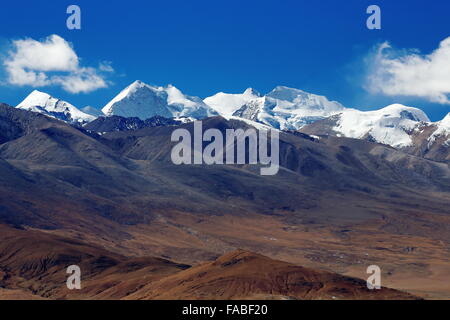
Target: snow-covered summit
point(288, 108)
point(303, 102)
point(145, 101)
point(42, 102)
point(226, 104)
point(392, 125)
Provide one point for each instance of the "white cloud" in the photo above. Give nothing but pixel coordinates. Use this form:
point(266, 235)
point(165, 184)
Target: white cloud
point(106, 66)
point(82, 80)
point(409, 73)
point(51, 61)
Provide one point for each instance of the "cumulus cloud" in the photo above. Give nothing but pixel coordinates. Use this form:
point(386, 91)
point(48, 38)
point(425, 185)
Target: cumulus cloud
point(51, 61)
point(409, 73)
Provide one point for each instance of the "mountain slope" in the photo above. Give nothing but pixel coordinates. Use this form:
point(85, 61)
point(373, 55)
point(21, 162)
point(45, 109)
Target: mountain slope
point(43, 103)
point(120, 169)
point(333, 200)
point(432, 140)
point(245, 275)
point(137, 163)
point(117, 123)
point(33, 265)
point(144, 101)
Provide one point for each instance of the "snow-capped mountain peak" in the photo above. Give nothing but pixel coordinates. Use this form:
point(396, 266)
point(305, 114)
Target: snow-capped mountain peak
point(296, 99)
point(226, 104)
point(288, 108)
point(42, 102)
point(184, 106)
point(145, 101)
point(392, 125)
point(286, 93)
point(35, 99)
point(250, 92)
point(138, 100)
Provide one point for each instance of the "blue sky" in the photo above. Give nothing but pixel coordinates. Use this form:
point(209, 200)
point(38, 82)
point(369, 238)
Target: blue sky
point(203, 47)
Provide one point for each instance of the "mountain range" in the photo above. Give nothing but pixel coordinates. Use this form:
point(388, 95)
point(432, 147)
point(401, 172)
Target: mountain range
point(283, 108)
point(103, 192)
